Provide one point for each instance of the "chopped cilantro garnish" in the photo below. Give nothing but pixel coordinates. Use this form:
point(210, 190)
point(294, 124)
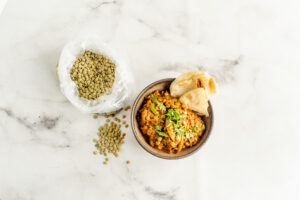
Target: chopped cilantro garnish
point(189, 136)
point(153, 109)
point(154, 99)
point(159, 132)
point(203, 127)
point(156, 127)
point(195, 128)
point(170, 124)
point(162, 117)
point(161, 106)
point(180, 130)
point(173, 114)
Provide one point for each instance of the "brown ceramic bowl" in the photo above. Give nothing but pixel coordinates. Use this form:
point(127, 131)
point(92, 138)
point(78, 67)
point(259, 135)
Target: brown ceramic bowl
point(164, 84)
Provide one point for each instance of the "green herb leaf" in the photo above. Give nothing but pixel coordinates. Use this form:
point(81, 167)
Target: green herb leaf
point(177, 115)
point(173, 114)
point(195, 128)
point(179, 130)
point(161, 106)
point(203, 127)
point(153, 109)
point(169, 124)
point(159, 132)
point(154, 99)
point(177, 137)
point(162, 117)
point(156, 128)
point(189, 136)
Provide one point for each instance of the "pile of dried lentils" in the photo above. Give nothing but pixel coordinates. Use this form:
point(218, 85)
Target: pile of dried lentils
point(110, 136)
point(94, 75)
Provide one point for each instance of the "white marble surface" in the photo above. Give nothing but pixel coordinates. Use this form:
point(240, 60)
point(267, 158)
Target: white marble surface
point(251, 47)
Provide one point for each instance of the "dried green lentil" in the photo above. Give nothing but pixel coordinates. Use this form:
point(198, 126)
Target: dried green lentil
point(124, 116)
point(93, 74)
point(95, 116)
point(110, 139)
point(128, 161)
point(127, 108)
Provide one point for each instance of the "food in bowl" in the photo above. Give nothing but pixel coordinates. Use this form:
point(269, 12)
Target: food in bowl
point(167, 124)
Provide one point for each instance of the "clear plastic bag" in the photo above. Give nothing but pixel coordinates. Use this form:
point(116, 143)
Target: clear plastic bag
point(115, 98)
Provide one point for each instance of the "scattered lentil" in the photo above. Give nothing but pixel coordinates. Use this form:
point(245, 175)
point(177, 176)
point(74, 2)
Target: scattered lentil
point(128, 161)
point(110, 139)
point(127, 108)
point(93, 74)
point(95, 152)
point(124, 122)
point(95, 116)
point(107, 120)
point(126, 126)
point(124, 116)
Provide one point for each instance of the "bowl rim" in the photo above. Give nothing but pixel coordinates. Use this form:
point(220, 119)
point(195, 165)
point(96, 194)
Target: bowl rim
point(135, 133)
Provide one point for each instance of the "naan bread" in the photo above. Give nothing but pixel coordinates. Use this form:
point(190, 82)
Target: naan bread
point(196, 100)
point(192, 80)
point(182, 84)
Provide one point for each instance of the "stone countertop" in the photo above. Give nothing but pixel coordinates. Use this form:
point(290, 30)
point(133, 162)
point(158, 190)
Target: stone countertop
point(252, 49)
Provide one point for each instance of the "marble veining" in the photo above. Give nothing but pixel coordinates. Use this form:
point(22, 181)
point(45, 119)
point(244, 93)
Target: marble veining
point(44, 122)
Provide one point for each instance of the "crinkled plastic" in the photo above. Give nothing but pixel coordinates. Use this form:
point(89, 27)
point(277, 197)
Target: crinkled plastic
point(115, 98)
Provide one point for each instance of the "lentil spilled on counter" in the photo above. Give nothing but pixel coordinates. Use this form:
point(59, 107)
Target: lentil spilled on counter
point(110, 136)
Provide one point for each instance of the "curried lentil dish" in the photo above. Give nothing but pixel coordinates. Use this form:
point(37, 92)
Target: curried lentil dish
point(167, 124)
